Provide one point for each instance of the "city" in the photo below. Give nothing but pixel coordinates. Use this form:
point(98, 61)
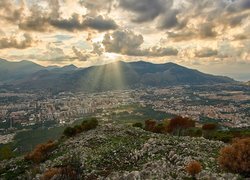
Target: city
point(230, 108)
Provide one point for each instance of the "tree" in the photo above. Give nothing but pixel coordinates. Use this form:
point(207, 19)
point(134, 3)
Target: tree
point(69, 132)
point(235, 157)
point(150, 125)
point(194, 132)
point(138, 124)
point(159, 128)
point(178, 124)
point(5, 152)
point(193, 168)
point(89, 124)
point(85, 126)
point(209, 127)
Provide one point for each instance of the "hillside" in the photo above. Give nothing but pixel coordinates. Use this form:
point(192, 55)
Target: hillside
point(123, 152)
point(120, 75)
point(10, 71)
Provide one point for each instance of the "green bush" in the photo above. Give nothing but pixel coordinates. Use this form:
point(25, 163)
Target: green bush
point(78, 129)
point(138, 124)
point(194, 132)
point(221, 136)
point(6, 152)
point(159, 128)
point(85, 126)
point(89, 124)
point(69, 132)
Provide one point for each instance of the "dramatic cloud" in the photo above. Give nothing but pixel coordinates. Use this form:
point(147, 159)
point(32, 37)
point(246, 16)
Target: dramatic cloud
point(169, 20)
point(206, 52)
point(11, 42)
point(86, 31)
point(80, 56)
point(95, 7)
point(238, 6)
point(181, 35)
point(128, 43)
point(98, 23)
point(53, 55)
point(206, 30)
point(145, 10)
point(9, 12)
point(200, 19)
point(124, 42)
point(97, 49)
point(36, 22)
point(40, 19)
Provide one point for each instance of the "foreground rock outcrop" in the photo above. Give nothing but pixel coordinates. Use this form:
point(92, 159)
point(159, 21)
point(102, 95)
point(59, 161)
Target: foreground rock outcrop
point(123, 152)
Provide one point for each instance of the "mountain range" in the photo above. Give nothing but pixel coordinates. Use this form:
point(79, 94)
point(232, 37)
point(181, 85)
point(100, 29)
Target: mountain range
point(117, 75)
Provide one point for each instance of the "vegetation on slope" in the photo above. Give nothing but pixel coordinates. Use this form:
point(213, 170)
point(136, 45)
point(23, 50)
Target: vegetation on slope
point(121, 151)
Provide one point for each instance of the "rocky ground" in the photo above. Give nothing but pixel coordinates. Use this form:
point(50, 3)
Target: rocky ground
point(124, 152)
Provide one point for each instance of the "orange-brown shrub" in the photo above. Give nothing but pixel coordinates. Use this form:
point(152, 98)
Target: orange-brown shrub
point(66, 172)
point(41, 152)
point(179, 123)
point(193, 168)
point(235, 157)
point(159, 128)
point(50, 173)
point(150, 125)
point(209, 127)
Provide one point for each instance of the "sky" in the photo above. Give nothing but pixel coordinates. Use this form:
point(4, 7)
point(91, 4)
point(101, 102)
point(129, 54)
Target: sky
point(212, 36)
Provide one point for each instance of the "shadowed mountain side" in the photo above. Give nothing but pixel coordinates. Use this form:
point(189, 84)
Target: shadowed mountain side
point(10, 71)
point(120, 75)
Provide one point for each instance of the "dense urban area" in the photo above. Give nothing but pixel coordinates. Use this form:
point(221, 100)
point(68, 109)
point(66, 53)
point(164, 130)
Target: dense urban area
point(227, 105)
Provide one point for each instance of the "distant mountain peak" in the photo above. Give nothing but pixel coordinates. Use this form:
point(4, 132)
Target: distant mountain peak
point(70, 67)
point(107, 77)
point(3, 60)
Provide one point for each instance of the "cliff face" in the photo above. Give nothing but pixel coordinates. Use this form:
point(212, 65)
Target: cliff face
point(123, 152)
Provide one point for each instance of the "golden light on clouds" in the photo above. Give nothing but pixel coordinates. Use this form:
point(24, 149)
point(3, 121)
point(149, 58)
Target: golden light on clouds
point(197, 34)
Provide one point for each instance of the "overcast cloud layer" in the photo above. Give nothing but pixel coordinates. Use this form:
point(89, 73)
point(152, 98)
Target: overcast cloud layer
point(210, 35)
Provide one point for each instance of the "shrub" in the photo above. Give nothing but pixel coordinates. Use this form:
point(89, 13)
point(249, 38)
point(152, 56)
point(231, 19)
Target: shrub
point(41, 152)
point(220, 136)
point(150, 125)
point(69, 132)
point(89, 124)
point(70, 169)
point(178, 124)
point(209, 127)
point(194, 132)
point(85, 126)
point(78, 129)
point(159, 128)
point(193, 168)
point(235, 157)
point(50, 173)
point(66, 172)
point(138, 124)
point(6, 152)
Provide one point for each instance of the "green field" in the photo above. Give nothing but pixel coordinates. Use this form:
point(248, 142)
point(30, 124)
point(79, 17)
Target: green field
point(137, 114)
point(25, 141)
